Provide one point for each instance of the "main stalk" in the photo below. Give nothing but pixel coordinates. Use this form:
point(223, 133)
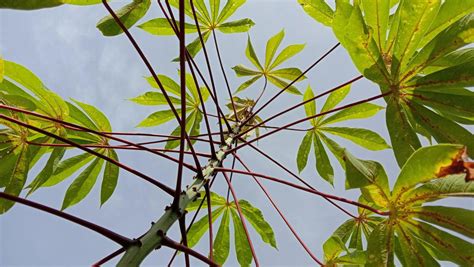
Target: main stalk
point(152, 240)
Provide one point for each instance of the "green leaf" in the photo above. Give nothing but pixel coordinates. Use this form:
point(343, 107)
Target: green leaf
point(332, 247)
point(287, 53)
point(161, 26)
point(376, 15)
point(450, 12)
point(282, 84)
point(49, 169)
point(222, 240)
point(199, 228)
point(416, 170)
point(255, 217)
point(318, 10)
point(83, 184)
point(453, 77)
point(190, 124)
point(242, 71)
point(128, 15)
point(229, 9)
point(247, 83)
point(356, 237)
point(415, 18)
point(412, 251)
point(17, 101)
point(456, 219)
point(361, 111)
point(457, 102)
point(195, 46)
point(51, 103)
point(334, 99)
point(251, 55)
point(169, 85)
point(242, 248)
point(363, 137)
point(110, 178)
point(68, 167)
point(2, 69)
point(442, 129)
point(29, 4)
point(158, 118)
point(380, 246)
point(336, 150)
point(323, 165)
point(241, 25)
point(454, 248)
point(403, 137)
point(350, 28)
point(303, 151)
point(451, 39)
point(81, 118)
point(215, 7)
point(450, 186)
point(272, 46)
point(288, 74)
point(310, 107)
point(17, 171)
point(370, 176)
point(154, 99)
point(96, 115)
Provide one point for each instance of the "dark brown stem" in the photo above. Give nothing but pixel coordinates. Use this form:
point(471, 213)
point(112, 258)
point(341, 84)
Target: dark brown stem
point(109, 257)
point(119, 239)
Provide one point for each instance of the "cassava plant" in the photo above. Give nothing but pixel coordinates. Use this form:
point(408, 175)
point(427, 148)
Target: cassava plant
point(418, 52)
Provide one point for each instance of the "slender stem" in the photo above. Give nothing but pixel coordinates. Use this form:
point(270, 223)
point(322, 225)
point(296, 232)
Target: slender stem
point(242, 219)
point(304, 102)
point(81, 128)
point(126, 147)
point(295, 234)
point(90, 151)
point(295, 80)
point(311, 117)
point(209, 212)
point(184, 238)
point(175, 245)
point(155, 77)
point(298, 178)
point(182, 73)
point(216, 45)
point(309, 190)
point(119, 239)
point(109, 257)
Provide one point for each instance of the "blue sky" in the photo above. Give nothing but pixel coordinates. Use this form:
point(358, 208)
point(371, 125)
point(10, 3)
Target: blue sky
point(63, 47)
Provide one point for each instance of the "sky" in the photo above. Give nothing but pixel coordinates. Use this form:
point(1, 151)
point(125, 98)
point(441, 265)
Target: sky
point(62, 46)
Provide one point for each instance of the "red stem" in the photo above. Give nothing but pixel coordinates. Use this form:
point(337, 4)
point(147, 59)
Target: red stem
point(109, 257)
point(294, 81)
point(90, 151)
point(123, 241)
point(309, 118)
point(316, 192)
point(175, 245)
point(279, 212)
point(297, 177)
point(242, 219)
point(155, 77)
point(302, 103)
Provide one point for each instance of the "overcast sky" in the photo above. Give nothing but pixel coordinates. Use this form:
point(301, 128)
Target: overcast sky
point(63, 47)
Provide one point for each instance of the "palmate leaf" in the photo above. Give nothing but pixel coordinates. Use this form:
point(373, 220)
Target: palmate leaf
point(414, 232)
point(421, 44)
point(317, 135)
point(209, 19)
point(227, 212)
point(282, 77)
